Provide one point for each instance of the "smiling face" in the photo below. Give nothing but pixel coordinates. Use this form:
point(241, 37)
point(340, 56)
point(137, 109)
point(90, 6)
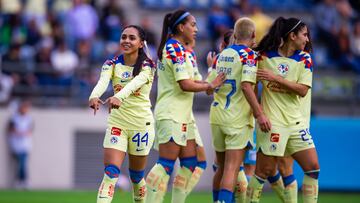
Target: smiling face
point(130, 41)
point(189, 29)
point(300, 39)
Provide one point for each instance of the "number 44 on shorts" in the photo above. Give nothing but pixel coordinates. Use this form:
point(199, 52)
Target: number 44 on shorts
point(140, 139)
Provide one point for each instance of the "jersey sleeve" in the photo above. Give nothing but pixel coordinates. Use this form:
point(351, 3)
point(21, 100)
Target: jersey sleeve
point(178, 59)
point(105, 76)
point(146, 75)
point(306, 70)
point(249, 67)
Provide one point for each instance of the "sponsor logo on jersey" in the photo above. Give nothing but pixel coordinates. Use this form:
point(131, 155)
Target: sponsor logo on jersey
point(274, 137)
point(115, 131)
point(184, 127)
point(283, 69)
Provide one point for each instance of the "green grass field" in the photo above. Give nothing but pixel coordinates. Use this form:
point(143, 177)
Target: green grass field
point(11, 196)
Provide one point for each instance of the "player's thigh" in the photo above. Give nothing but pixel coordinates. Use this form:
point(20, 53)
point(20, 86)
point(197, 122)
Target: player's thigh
point(307, 159)
point(189, 150)
point(285, 165)
point(113, 157)
point(137, 163)
point(265, 165)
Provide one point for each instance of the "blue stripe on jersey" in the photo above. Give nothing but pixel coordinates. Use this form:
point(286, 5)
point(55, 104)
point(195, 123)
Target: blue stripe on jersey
point(247, 55)
point(299, 56)
point(119, 59)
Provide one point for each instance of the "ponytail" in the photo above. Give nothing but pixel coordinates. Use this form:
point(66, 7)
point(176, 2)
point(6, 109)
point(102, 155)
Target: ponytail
point(279, 32)
point(164, 35)
point(170, 23)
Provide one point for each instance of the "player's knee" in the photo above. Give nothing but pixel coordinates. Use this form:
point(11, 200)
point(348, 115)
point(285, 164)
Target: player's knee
point(273, 179)
point(112, 171)
point(201, 164)
point(313, 173)
point(189, 162)
point(267, 170)
point(136, 176)
point(167, 164)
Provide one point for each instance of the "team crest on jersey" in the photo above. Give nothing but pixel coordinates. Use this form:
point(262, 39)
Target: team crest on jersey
point(114, 140)
point(283, 69)
point(273, 147)
point(126, 75)
point(251, 62)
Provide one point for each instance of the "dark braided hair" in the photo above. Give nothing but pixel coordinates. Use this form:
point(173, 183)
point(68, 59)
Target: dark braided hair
point(169, 27)
point(280, 30)
point(141, 53)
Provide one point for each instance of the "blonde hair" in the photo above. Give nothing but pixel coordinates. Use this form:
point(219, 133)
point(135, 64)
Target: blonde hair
point(244, 29)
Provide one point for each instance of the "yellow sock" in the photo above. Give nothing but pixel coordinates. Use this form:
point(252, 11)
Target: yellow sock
point(179, 192)
point(195, 177)
point(278, 187)
point(310, 189)
point(240, 187)
point(106, 189)
point(139, 191)
point(291, 192)
point(156, 182)
point(254, 189)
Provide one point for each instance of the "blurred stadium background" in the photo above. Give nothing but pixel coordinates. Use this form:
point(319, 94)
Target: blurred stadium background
point(51, 52)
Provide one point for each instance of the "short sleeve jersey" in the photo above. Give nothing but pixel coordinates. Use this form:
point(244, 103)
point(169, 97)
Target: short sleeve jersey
point(135, 110)
point(281, 106)
point(172, 102)
point(230, 107)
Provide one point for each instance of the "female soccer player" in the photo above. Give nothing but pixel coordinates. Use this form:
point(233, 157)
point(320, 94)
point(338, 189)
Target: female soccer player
point(173, 111)
point(231, 118)
point(130, 124)
point(284, 51)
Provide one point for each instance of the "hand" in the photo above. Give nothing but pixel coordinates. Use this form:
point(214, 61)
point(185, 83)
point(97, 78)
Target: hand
point(264, 123)
point(264, 74)
point(94, 103)
point(219, 80)
point(114, 103)
point(210, 58)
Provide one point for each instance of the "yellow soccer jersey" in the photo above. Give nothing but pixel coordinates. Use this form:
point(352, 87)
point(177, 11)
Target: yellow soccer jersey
point(134, 112)
point(230, 107)
point(192, 56)
point(172, 102)
point(281, 106)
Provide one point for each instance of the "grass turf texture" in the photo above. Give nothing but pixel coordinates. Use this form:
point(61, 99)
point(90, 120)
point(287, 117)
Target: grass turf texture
point(39, 196)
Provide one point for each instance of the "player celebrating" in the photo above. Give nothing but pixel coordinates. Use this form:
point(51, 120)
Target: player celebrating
point(130, 124)
point(284, 52)
point(173, 111)
point(231, 118)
